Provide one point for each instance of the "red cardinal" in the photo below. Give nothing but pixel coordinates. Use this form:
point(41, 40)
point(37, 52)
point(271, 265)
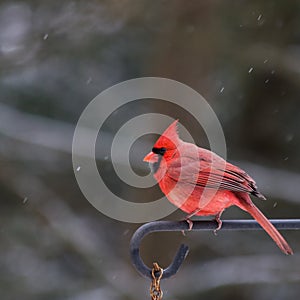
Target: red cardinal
point(202, 183)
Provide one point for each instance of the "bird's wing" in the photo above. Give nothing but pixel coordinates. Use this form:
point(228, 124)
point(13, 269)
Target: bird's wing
point(212, 172)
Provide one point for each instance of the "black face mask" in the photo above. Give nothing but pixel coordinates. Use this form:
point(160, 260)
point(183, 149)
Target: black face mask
point(155, 166)
point(160, 151)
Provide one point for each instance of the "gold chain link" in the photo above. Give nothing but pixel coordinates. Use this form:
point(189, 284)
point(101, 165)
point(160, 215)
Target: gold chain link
point(155, 290)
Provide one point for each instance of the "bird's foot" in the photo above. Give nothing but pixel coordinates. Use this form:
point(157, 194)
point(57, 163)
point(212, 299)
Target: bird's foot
point(219, 221)
point(190, 223)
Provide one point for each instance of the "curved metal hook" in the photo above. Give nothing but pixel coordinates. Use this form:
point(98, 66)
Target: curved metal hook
point(183, 250)
point(155, 227)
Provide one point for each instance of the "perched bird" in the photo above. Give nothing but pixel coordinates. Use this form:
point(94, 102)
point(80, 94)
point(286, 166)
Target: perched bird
point(201, 183)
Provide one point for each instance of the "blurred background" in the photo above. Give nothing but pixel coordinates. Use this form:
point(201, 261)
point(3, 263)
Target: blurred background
point(56, 56)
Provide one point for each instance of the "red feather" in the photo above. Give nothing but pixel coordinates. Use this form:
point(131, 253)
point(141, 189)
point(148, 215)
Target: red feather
point(201, 183)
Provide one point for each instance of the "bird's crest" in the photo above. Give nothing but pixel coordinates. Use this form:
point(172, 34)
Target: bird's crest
point(170, 138)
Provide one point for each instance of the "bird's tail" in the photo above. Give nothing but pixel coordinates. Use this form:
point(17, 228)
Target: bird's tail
point(266, 225)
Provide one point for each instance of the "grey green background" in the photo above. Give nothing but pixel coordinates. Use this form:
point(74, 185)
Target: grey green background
point(55, 56)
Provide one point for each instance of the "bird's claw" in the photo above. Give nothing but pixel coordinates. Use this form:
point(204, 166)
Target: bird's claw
point(219, 222)
point(190, 223)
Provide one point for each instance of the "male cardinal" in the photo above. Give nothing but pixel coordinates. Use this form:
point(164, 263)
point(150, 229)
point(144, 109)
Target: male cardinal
point(202, 183)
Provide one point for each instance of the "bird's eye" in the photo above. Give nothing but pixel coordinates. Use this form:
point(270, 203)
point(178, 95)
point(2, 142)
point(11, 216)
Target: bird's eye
point(160, 151)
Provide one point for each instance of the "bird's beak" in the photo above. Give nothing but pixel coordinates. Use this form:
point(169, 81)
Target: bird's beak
point(151, 158)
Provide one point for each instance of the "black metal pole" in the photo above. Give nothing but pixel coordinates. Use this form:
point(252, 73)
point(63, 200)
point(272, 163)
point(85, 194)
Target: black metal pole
point(289, 224)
